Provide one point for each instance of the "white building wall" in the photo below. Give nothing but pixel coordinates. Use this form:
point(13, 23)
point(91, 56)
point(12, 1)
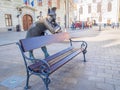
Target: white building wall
point(9, 7)
point(4, 11)
point(114, 11)
point(94, 15)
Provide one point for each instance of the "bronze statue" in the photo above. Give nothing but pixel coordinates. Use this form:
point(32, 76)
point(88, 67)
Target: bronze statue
point(39, 27)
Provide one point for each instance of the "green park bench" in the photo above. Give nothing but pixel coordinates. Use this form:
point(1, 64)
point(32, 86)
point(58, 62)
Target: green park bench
point(45, 67)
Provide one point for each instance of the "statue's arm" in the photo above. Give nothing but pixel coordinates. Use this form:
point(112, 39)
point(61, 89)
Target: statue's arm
point(49, 26)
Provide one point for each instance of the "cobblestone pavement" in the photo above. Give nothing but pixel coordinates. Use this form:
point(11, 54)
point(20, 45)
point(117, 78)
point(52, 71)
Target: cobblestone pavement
point(100, 72)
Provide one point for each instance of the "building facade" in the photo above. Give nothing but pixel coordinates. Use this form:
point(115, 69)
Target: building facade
point(23, 13)
point(99, 11)
point(119, 11)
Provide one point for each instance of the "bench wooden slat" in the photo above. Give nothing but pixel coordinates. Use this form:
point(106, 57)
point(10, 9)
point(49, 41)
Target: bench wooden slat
point(58, 58)
point(35, 65)
point(58, 54)
point(30, 43)
point(58, 63)
point(63, 61)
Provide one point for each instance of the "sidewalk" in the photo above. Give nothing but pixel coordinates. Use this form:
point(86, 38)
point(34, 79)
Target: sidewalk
point(100, 72)
point(11, 37)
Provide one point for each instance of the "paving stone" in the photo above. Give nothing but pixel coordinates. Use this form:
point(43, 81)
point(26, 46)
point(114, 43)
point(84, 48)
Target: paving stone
point(100, 72)
point(105, 86)
point(117, 87)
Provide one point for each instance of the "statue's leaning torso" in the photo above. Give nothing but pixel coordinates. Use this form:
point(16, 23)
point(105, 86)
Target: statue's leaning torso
point(36, 29)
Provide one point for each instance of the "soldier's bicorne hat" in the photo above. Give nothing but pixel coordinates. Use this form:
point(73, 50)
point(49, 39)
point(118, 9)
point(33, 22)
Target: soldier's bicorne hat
point(51, 11)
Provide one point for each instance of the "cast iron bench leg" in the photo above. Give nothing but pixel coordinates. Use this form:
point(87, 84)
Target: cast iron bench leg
point(84, 44)
point(84, 52)
point(46, 81)
point(27, 82)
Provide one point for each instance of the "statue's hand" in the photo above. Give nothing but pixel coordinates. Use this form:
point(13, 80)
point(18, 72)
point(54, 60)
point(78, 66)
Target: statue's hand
point(59, 31)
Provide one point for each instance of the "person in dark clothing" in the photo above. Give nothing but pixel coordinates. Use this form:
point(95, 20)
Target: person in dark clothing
point(39, 27)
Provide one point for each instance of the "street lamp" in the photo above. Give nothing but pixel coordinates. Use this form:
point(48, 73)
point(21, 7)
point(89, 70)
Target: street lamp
point(100, 16)
point(65, 13)
point(66, 2)
point(100, 20)
point(79, 14)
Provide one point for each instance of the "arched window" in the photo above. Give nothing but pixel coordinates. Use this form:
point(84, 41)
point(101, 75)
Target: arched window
point(58, 4)
point(99, 7)
point(109, 6)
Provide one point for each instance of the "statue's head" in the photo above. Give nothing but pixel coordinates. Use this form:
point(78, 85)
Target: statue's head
point(52, 13)
point(53, 26)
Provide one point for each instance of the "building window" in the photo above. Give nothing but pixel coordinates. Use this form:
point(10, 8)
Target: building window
point(108, 22)
point(89, 9)
point(81, 10)
point(49, 3)
point(8, 19)
point(58, 4)
point(29, 2)
point(39, 2)
point(109, 7)
point(99, 7)
point(26, 2)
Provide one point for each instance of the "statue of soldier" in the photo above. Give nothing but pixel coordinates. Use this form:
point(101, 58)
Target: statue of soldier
point(39, 27)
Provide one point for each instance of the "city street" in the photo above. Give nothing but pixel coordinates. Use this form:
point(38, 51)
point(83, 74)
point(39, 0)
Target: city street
point(100, 72)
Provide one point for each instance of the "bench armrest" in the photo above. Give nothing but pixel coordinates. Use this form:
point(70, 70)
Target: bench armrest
point(44, 67)
point(83, 43)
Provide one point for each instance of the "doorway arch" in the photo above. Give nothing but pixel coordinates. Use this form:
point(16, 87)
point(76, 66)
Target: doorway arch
point(27, 21)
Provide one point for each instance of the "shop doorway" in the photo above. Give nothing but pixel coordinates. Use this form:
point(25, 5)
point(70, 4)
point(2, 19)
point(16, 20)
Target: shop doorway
point(108, 22)
point(27, 21)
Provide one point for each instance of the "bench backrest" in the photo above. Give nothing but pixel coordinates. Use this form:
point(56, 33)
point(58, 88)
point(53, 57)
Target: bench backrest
point(37, 42)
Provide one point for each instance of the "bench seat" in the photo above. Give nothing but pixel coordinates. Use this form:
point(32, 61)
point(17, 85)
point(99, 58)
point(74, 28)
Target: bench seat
point(57, 60)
